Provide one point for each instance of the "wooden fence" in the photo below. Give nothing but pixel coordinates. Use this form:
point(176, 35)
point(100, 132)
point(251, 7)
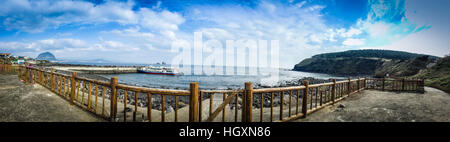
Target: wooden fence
point(106, 99)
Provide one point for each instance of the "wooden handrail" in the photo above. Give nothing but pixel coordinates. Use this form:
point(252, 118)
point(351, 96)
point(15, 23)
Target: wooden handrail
point(154, 90)
point(329, 93)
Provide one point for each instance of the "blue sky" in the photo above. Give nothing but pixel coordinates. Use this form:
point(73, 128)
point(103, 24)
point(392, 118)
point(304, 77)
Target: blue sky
point(142, 31)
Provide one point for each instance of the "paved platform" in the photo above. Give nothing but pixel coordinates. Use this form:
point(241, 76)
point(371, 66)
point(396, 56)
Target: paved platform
point(34, 103)
point(384, 106)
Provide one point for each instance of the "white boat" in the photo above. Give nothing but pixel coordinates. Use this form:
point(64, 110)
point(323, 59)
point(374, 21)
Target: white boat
point(158, 70)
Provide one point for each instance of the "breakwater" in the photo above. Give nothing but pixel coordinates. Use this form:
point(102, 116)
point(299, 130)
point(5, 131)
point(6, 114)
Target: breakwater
point(96, 69)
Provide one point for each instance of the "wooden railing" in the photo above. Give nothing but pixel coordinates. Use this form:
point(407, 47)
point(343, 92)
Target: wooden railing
point(8, 68)
point(106, 99)
point(109, 100)
point(230, 101)
point(396, 84)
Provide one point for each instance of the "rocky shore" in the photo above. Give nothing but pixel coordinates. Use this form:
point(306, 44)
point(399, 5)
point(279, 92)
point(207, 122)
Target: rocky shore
point(183, 100)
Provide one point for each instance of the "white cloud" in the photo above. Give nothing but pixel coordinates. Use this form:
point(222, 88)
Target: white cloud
point(317, 38)
point(164, 20)
point(299, 26)
point(353, 42)
point(377, 29)
point(37, 16)
point(66, 46)
point(433, 41)
point(352, 32)
point(132, 33)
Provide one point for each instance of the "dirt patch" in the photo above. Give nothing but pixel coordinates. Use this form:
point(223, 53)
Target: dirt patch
point(378, 106)
point(34, 103)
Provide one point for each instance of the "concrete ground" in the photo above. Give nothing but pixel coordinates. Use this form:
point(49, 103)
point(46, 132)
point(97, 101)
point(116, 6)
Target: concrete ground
point(378, 106)
point(34, 103)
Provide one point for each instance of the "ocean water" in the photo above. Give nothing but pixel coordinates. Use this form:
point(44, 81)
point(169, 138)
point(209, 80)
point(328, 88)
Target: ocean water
point(215, 81)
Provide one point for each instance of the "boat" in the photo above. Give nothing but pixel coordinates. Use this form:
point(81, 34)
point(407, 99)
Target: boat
point(158, 70)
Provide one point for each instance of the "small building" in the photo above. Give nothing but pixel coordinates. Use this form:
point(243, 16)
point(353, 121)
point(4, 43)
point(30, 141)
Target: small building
point(5, 55)
point(24, 57)
point(18, 61)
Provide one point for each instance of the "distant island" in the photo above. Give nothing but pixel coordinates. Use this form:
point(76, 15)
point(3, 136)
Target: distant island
point(381, 63)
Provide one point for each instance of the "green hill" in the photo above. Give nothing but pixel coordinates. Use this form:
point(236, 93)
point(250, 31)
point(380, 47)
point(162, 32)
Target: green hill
point(366, 62)
point(372, 53)
point(402, 68)
point(438, 75)
point(339, 66)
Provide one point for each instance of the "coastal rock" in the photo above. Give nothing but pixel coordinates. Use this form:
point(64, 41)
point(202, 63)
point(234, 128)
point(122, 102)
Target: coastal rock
point(181, 104)
point(169, 109)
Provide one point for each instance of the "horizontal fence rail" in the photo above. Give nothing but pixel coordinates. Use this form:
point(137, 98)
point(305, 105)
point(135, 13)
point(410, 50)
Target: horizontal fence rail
point(122, 103)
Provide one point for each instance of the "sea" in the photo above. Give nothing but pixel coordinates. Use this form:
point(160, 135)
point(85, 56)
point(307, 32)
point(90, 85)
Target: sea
point(221, 80)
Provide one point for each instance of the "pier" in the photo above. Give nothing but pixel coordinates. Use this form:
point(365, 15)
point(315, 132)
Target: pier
point(117, 102)
point(96, 69)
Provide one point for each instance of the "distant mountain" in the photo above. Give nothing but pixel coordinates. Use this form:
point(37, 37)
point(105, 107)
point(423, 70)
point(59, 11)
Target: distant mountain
point(46, 56)
point(366, 62)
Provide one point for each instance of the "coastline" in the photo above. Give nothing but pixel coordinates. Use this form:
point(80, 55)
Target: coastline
point(96, 72)
point(170, 101)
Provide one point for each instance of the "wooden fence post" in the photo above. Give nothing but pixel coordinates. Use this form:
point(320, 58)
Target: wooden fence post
point(403, 84)
point(72, 88)
point(19, 74)
point(51, 79)
point(422, 85)
point(40, 75)
point(243, 115)
point(248, 101)
point(26, 73)
point(193, 103)
point(305, 98)
point(89, 96)
point(34, 76)
point(113, 99)
point(333, 93)
point(365, 82)
point(348, 86)
point(359, 84)
point(382, 84)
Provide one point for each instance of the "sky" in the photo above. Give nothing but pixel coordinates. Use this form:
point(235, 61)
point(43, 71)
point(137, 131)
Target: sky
point(141, 31)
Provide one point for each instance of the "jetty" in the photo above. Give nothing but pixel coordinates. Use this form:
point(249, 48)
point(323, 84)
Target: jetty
point(117, 102)
point(97, 69)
